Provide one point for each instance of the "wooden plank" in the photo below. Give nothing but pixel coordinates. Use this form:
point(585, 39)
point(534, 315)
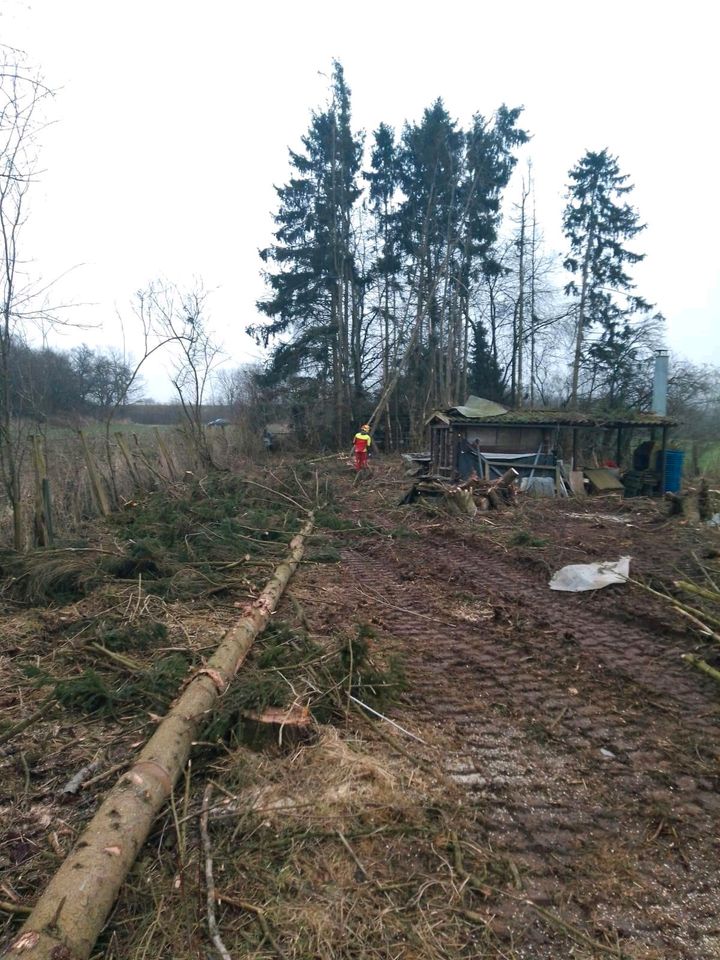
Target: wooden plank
point(603, 480)
point(577, 483)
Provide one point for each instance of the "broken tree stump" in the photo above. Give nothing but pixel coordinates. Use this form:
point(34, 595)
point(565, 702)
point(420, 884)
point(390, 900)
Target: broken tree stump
point(677, 506)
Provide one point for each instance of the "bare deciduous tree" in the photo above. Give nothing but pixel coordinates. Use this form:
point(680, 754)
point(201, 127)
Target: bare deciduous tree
point(180, 317)
point(21, 94)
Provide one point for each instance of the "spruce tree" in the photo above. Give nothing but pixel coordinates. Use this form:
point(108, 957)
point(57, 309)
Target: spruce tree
point(484, 378)
point(598, 223)
point(314, 283)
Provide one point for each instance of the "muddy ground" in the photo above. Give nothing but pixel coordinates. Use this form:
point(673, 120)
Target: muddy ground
point(588, 748)
point(561, 800)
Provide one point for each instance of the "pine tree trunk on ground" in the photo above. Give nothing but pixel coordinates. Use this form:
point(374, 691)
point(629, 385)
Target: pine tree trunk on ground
point(70, 914)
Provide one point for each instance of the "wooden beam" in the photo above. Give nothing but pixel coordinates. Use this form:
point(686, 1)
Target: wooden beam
point(663, 465)
point(574, 447)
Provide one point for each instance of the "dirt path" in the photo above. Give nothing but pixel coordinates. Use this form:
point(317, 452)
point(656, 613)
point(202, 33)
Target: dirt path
point(586, 746)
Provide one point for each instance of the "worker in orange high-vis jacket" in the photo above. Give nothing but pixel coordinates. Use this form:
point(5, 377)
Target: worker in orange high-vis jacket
point(362, 441)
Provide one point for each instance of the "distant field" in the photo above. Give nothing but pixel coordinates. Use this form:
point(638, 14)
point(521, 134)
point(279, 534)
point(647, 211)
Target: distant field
point(98, 430)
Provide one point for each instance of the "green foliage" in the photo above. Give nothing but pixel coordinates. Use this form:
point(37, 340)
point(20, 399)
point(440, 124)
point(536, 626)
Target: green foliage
point(140, 635)
point(331, 520)
point(93, 692)
point(523, 538)
point(323, 554)
point(426, 236)
point(88, 693)
point(403, 533)
point(180, 544)
point(143, 559)
point(484, 377)
point(160, 683)
point(278, 658)
point(314, 249)
point(374, 683)
point(287, 666)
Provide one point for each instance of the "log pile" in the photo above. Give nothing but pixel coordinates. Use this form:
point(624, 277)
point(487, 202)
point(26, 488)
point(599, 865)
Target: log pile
point(472, 496)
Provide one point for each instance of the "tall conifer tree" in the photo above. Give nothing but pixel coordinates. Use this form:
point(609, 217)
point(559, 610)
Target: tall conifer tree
point(315, 280)
point(598, 223)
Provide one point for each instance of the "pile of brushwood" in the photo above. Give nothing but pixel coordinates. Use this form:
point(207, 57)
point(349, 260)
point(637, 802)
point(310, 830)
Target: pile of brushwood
point(196, 540)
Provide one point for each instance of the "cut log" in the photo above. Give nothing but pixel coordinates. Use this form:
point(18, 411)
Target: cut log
point(577, 483)
point(462, 501)
point(70, 914)
point(494, 499)
point(506, 480)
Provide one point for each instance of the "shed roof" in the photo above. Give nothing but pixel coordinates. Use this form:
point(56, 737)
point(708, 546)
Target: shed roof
point(551, 418)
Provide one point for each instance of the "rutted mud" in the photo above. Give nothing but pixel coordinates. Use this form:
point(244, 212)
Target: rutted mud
point(587, 747)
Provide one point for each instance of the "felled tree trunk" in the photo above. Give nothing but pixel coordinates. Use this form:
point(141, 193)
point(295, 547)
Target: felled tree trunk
point(71, 912)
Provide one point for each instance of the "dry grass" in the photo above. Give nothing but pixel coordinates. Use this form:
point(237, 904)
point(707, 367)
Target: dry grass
point(337, 849)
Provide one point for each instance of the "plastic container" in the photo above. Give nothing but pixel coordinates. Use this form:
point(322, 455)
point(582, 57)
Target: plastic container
point(674, 460)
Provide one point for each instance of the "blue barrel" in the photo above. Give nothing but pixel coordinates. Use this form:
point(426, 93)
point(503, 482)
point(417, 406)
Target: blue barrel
point(674, 460)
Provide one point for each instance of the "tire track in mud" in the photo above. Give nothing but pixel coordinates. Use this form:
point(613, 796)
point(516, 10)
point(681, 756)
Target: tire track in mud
point(588, 749)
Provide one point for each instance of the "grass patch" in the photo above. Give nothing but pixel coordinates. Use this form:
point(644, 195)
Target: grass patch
point(710, 460)
point(132, 636)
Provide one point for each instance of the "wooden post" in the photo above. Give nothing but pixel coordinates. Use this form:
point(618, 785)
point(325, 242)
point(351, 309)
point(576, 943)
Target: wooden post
point(125, 451)
point(663, 465)
point(574, 448)
point(166, 455)
point(42, 535)
point(618, 455)
point(101, 498)
point(47, 504)
point(150, 468)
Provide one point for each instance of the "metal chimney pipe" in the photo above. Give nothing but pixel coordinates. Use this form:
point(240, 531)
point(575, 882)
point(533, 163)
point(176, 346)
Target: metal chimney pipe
point(660, 383)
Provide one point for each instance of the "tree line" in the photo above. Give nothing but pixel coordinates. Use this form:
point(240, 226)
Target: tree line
point(45, 382)
point(400, 279)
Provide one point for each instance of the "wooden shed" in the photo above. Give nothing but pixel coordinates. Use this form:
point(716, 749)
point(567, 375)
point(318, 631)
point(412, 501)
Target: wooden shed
point(476, 437)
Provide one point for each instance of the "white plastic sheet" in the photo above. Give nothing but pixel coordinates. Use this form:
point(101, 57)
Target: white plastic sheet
point(591, 576)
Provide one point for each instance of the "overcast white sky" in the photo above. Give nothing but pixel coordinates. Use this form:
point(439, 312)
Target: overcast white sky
point(173, 118)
